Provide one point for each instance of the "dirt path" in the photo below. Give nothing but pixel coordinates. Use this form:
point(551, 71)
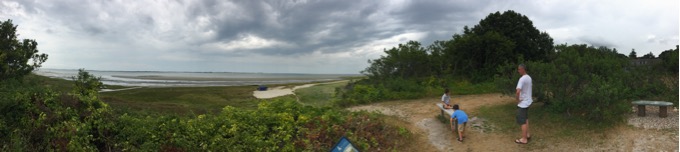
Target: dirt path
point(421, 116)
point(430, 134)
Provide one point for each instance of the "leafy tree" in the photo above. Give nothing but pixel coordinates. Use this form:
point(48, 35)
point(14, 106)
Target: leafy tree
point(632, 54)
point(479, 55)
point(408, 60)
point(670, 59)
point(530, 43)
point(648, 56)
point(15, 54)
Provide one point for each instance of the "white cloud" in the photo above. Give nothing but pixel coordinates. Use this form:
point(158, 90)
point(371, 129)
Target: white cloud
point(249, 42)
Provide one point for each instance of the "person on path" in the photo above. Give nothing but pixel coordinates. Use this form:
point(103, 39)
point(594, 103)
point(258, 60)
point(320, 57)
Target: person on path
point(524, 100)
point(460, 119)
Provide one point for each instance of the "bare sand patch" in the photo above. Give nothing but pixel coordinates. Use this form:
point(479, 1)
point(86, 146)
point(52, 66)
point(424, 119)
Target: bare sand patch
point(283, 90)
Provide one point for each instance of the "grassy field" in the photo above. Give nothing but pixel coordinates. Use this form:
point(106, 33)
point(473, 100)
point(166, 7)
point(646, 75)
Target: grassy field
point(182, 100)
point(192, 100)
point(548, 126)
point(321, 95)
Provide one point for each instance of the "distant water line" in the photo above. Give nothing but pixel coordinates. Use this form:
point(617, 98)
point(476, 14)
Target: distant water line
point(192, 79)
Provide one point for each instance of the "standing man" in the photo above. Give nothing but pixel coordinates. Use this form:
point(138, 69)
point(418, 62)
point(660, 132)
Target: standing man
point(524, 100)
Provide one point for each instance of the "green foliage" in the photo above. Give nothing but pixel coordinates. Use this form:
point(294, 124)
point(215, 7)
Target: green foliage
point(279, 125)
point(584, 82)
point(670, 60)
point(42, 119)
point(498, 39)
point(411, 71)
point(479, 55)
point(15, 55)
point(406, 60)
point(36, 118)
point(633, 54)
point(529, 42)
point(649, 55)
point(365, 91)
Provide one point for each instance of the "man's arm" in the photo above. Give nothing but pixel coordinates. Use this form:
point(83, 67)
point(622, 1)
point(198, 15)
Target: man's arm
point(517, 94)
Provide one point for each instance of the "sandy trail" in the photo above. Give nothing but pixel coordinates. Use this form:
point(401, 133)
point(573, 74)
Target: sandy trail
point(112, 90)
point(420, 114)
point(430, 134)
point(283, 90)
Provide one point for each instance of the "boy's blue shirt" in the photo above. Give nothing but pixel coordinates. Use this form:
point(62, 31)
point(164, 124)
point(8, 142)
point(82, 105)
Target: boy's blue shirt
point(460, 115)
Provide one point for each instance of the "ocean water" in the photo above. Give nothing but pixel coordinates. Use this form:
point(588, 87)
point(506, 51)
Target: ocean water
point(170, 79)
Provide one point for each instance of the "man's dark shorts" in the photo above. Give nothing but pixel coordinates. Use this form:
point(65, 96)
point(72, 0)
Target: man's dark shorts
point(522, 115)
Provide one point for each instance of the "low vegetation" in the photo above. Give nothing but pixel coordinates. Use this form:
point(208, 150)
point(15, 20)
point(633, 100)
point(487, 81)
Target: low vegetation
point(37, 118)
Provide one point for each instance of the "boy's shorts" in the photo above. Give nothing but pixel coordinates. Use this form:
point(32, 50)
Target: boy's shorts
point(461, 127)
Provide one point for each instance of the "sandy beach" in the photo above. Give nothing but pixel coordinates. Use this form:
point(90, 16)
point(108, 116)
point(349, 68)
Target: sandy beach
point(282, 90)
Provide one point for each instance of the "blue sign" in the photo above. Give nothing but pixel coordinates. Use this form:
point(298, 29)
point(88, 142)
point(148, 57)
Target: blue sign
point(344, 146)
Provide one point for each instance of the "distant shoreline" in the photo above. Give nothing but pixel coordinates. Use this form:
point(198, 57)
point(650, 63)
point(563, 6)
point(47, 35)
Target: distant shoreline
point(171, 78)
point(194, 79)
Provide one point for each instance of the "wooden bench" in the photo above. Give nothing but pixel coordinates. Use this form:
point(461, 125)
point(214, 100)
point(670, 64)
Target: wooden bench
point(449, 112)
point(663, 107)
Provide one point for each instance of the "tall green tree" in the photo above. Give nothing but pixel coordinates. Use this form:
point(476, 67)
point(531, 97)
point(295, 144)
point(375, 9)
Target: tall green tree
point(633, 54)
point(670, 59)
point(530, 43)
point(478, 55)
point(408, 60)
point(649, 55)
point(17, 58)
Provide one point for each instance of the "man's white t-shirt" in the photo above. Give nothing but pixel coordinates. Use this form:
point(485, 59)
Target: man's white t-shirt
point(524, 85)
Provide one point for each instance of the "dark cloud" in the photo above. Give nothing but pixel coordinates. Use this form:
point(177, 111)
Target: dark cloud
point(211, 31)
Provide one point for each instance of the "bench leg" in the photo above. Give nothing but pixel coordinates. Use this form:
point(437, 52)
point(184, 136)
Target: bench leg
point(641, 110)
point(442, 114)
point(663, 111)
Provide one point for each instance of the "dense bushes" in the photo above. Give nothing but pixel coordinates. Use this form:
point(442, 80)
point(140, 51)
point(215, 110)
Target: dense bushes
point(36, 118)
point(368, 91)
point(474, 55)
point(596, 84)
point(365, 91)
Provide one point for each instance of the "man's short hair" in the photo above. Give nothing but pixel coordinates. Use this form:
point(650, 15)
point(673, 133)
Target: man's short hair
point(446, 90)
point(523, 66)
point(455, 107)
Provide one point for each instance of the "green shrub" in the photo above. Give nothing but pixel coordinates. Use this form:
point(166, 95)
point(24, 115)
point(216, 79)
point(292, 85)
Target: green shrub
point(584, 82)
point(38, 119)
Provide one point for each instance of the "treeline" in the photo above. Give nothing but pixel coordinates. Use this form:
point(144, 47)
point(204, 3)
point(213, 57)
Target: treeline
point(411, 70)
point(498, 39)
point(596, 84)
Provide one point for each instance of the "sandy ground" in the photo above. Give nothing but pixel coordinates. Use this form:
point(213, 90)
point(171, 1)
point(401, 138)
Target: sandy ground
point(430, 134)
point(282, 90)
point(112, 90)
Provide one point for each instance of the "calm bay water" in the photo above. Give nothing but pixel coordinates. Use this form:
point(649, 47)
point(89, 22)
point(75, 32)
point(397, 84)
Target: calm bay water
point(167, 79)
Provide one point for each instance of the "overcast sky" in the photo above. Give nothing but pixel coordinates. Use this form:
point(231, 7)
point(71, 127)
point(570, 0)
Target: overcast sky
point(299, 36)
